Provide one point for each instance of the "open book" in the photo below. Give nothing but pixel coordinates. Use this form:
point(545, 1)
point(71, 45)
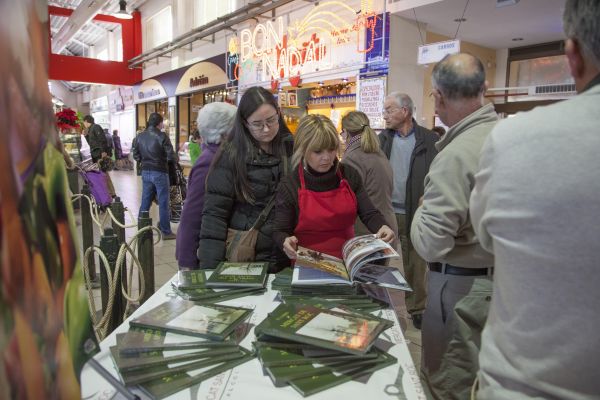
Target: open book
point(360, 253)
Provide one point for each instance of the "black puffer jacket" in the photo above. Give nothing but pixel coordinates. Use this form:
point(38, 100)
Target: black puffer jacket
point(153, 149)
point(223, 209)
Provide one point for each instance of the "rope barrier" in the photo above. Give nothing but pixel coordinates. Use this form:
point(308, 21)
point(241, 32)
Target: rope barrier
point(101, 324)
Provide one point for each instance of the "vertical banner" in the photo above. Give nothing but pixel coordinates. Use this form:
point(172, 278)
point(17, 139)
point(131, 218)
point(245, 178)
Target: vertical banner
point(46, 333)
point(371, 94)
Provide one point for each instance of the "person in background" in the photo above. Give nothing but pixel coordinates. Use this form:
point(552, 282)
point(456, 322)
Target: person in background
point(442, 233)
point(215, 121)
point(94, 134)
point(317, 204)
point(365, 156)
point(535, 207)
point(410, 149)
point(153, 150)
point(117, 145)
point(243, 178)
point(439, 130)
point(194, 146)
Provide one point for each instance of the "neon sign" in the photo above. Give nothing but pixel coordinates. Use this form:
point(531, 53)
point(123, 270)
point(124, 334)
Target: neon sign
point(306, 45)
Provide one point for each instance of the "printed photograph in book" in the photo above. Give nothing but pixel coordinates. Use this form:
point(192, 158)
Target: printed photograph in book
point(239, 274)
point(345, 331)
point(206, 320)
point(360, 253)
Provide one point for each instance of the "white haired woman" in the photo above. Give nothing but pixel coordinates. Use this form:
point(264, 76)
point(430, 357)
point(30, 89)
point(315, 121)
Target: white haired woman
point(215, 121)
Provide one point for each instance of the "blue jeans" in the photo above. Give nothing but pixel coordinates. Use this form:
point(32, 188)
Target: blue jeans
point(157, 183)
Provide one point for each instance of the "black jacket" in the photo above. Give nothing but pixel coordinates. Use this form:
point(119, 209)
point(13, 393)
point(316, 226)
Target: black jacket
point(223, 209)
point(152, 148)
point(97, 141)
point(420, 160)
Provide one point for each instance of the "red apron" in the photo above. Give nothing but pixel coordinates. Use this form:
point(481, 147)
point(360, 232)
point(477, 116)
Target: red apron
point(325, 219)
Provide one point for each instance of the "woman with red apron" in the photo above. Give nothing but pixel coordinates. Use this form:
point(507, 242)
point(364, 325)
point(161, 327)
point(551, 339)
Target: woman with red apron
point(317, 204)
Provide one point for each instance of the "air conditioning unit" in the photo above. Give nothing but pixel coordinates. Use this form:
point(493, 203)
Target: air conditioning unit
point(539, 92)
point(504, 3)
point(567, 88)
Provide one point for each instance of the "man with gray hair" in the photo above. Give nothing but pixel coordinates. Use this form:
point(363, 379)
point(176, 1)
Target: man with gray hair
point(460, 270)
point(410, 149)
point(214, 122)
point(535, 206)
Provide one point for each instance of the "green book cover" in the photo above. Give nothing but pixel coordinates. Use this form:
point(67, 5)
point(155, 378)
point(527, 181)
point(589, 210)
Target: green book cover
point(190, 279)
point(239, 274)
point(211, 321)
point(303, 323)
point(167, 385)
point(310, 385)
point(149, 360)
point(270, 356)
point(137, 377)
point(201, 295)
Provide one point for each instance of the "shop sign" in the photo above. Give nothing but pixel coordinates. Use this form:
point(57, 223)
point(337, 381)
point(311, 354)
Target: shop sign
point(331, 35)
point(371, 94)
point(434, 52)
point(150, 89)
point(99, 104)
point(200, 76)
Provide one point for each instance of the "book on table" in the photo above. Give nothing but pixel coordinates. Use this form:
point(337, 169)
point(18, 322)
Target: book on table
point(341, 331)
point(212, 321)
point(239, 274)
point(358, 265)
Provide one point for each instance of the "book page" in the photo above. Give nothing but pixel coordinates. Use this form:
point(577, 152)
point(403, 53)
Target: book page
point(307, 258)
point(357, 249)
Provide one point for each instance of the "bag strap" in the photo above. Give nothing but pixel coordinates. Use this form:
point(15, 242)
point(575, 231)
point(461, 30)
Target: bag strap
point(264, 213)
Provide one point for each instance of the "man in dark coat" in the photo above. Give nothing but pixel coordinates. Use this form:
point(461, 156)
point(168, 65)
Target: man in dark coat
point(94, 134)
point(410, 149)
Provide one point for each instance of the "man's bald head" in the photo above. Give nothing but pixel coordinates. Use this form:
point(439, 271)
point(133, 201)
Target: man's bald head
point(459, 76)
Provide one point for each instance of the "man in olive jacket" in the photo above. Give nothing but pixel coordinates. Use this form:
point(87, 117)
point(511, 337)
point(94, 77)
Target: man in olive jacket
point(95, 137)
point(410, 149)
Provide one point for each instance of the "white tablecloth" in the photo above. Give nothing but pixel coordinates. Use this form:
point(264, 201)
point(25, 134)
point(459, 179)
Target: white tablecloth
point(399, 381)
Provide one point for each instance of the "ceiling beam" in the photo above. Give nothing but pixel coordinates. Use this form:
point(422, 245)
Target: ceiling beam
point(84, 13)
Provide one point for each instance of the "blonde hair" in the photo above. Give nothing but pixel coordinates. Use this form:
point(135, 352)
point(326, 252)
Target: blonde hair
point(315, 133)
point(357, 123)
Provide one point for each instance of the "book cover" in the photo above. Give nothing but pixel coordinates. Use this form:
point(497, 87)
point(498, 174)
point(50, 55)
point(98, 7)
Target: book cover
point(334, 330)
point(239, 274)
point(310, 385)
point(211, 321)
point(190, 279)
point(217, 295)
point(169, 384)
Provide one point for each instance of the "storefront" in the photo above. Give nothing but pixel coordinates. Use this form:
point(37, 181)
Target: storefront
point(314, 62)
point(122, 115)
point(178, 95)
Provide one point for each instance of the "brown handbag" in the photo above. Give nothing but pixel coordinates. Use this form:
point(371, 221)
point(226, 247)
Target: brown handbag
point(240, 245)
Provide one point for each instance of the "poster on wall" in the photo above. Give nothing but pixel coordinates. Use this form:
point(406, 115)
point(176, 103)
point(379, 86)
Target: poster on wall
point(46, 333)
point(371, 94)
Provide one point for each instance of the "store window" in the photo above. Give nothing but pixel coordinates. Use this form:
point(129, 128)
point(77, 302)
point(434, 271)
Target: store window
point(540, 71)
point(206, 11)
point(159, 28)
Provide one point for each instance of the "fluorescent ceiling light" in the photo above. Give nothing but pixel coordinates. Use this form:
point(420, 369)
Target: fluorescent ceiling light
point(122, 13)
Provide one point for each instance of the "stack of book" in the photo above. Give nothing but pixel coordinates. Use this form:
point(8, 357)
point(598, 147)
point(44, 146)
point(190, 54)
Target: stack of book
point(227, 281)
point(313, 348)
point(179, 344)
point(352, 296)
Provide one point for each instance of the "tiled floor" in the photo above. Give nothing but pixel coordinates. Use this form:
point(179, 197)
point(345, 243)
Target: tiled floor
point(128, 187)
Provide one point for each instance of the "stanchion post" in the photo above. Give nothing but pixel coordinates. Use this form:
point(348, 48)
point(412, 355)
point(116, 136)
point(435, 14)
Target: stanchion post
point(109, 244)
point(146, 255)
point(119, 213)
point(87, 231)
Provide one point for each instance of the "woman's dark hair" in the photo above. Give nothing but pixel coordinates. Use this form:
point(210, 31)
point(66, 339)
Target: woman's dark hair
point(239, 145)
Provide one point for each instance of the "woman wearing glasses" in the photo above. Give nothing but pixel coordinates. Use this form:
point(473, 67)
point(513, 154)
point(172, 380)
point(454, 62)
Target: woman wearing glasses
point(363, 154)
point(243, 177)
point(319, 201)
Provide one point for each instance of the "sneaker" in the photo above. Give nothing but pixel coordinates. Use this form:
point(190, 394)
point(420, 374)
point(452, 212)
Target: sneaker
point(169, 236)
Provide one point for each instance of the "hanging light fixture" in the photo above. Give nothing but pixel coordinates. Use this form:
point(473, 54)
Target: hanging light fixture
point(122, 13)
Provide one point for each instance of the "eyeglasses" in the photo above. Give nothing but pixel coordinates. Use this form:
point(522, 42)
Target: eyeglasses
point(389, 111)
point(260, 125)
